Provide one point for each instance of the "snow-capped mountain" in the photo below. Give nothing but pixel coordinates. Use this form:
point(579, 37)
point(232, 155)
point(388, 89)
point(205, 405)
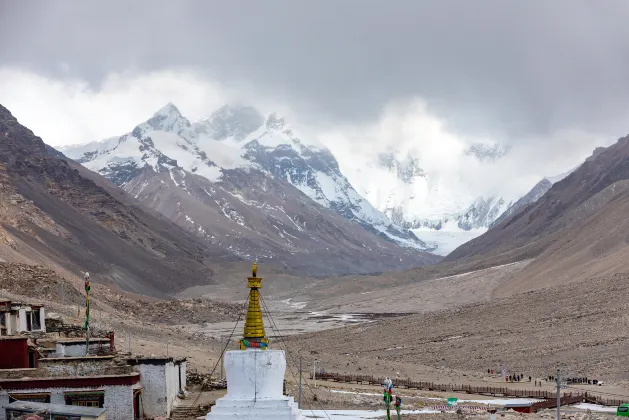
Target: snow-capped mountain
point(220, 175)
point(397, 185)
point(484, 152)
point(439, 210)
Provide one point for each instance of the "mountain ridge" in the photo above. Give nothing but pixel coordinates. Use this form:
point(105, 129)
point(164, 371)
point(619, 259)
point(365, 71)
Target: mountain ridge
point(227, 189)
point(57, 212)
point(575, 231)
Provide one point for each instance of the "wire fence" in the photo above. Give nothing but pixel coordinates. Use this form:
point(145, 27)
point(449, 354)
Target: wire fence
point(471, 389)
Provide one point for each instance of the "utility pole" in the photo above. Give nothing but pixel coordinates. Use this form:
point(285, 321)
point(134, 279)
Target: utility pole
point(558, 378)
point(222, 361)
point(314, 372)
point(299, 397)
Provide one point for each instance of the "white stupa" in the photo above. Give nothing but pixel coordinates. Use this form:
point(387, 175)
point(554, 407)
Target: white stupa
point(255, 374)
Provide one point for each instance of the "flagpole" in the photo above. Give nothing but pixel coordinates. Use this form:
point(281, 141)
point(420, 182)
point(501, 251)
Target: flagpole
point(87, 314)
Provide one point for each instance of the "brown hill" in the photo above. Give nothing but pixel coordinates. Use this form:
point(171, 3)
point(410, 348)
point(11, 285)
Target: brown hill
point(581, 329)
point(55, 212)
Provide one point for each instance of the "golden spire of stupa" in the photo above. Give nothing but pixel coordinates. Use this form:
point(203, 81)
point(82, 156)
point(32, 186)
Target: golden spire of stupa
point(254, 336)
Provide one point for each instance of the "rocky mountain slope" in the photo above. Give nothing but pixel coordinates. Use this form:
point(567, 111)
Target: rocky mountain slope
point(388, 193)
point(576, 230)
point(260, 194)
point(57, 213)
point(531, 197)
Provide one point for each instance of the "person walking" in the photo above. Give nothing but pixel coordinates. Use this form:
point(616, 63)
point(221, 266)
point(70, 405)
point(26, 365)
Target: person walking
point(398, 405)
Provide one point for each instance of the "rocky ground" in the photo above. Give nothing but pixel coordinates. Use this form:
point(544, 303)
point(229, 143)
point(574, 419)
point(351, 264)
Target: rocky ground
point(545, 414)
point(142, 325)
point(582, 329)
point(48, 286)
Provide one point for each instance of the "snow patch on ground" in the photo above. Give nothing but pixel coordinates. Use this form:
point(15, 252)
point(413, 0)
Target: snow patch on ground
point(447, 239)
point(296, 305)
point(487, 401)
point(502, 401)
point(594, 407)
point(357, 414)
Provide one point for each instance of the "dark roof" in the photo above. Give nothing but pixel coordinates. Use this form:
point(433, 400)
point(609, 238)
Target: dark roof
point(154, 360)
point(79, 340)
point(29, 406)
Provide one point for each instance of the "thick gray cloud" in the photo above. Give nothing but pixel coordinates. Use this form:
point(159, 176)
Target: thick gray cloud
point(512, 69)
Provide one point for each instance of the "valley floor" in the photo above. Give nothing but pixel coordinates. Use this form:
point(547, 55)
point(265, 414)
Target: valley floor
point(446, 330)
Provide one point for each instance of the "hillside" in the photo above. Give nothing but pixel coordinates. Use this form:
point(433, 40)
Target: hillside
point(581, 329)
point(574, 231)
point(56, 213)
point(261, 194)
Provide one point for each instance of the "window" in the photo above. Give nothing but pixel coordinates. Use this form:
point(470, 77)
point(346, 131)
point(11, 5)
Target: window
point(41, 398)
point(35, 314)
point(86, 399)
point(623, 409)
point(86, 403)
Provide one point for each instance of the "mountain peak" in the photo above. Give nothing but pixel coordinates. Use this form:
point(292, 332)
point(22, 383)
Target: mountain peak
point(168, 118)
point(237, 121)
point(275, 122)
point(168, 109)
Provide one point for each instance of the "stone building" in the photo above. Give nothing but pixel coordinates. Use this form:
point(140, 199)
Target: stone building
point(17, 353)
point(163, 379)
point(17, 317)
point(126, 387)
point(17, 409)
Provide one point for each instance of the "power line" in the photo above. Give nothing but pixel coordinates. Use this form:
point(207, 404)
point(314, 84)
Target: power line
point(224, 348)
point(274, 328)
point(274, 325)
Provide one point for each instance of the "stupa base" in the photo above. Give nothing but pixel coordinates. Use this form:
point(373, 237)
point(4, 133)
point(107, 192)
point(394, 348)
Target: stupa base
point(284, 408)
point(255, 381)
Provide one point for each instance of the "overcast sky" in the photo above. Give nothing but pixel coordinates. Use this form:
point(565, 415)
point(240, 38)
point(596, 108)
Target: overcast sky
point(547, 77)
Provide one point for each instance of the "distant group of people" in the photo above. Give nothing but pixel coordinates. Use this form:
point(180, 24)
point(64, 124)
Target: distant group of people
point(583, 380)
point(516, 378)
point(513, 378)
point(550, 378)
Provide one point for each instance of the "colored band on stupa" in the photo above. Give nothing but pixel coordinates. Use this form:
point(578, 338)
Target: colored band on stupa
point(254, 336)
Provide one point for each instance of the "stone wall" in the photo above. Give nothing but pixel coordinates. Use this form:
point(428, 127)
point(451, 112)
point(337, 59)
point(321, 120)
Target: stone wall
point(57, 325)
point(172, 385)
point(161, 385)
point(153, 378)
point(78, 349)
point(183, 373)
point(82, 367)
point(118, 399)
